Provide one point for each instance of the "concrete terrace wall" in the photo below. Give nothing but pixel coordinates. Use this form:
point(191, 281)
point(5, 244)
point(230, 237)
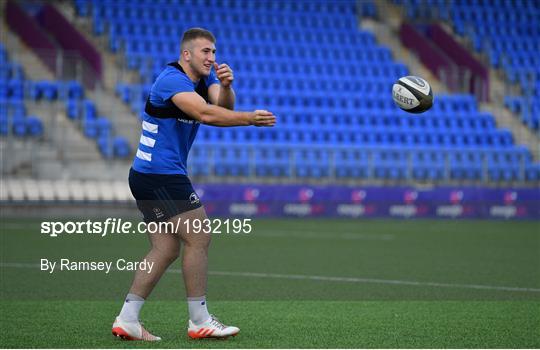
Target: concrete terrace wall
point(479, 84)
point(28, 29)
point(69, 38)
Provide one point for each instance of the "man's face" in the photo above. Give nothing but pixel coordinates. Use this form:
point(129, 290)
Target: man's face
point(202, 56)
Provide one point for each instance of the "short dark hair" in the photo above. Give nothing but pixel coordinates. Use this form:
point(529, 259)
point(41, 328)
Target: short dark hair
point(195, 33)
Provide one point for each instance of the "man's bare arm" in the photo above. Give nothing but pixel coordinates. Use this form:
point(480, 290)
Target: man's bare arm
point(222, 96)
point(226, 97)
point(196, 107)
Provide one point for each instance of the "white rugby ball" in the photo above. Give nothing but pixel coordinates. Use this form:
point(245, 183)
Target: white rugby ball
point(412, 94)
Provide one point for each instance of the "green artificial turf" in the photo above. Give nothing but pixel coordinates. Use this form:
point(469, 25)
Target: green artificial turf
point(285, 324)
point(292, 283)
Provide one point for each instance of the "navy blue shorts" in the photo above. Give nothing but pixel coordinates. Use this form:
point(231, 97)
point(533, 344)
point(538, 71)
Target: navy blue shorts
point(161, 197)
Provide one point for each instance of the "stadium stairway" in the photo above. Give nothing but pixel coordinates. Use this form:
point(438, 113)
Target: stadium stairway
point(504, 117)
point(47, 158)
point(125, 122)
point(33, 66)
point(498, 89)
point(28, 155)
point(385, 30)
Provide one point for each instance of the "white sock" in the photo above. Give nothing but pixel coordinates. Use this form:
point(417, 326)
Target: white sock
point(132, 308)
point(198, 313)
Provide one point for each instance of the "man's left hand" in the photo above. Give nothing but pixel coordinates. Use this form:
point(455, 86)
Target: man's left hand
point(224, 74)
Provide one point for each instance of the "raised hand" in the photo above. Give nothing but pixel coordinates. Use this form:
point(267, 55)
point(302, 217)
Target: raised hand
point(224, 73)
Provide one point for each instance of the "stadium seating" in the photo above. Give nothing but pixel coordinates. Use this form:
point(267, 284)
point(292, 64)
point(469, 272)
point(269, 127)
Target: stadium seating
point(81, 110)
point(511, 43)
point(507, 32)
point(327, 81)
point(14, 88)
point(13, 116)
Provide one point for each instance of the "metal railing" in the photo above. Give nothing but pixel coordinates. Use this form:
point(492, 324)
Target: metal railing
point(345, 164)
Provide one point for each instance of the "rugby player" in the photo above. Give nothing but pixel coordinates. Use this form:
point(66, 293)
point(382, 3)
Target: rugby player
point(193, 90)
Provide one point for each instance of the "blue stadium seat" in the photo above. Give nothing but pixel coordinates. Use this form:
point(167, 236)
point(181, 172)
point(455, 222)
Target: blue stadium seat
point(34, 126)
point(72, 109)
point(89, 110)
point(90, 128)
point(15, 89)
point(104, 126)
point(532, 172)
point(4, 125)
point(75, 90)
point(19, 126)
point(105, 146)
point(121, 147)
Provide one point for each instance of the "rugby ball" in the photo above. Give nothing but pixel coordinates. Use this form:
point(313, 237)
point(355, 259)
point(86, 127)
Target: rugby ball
point(412, 94)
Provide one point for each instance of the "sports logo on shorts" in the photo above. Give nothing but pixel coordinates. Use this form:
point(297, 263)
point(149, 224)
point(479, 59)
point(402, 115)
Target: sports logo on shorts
point(193, 198)
point(158, 213)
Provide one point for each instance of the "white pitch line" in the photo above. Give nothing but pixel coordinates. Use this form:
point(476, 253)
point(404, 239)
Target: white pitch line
point(17, 226)
point(19, 265)
point(335, 279)
point(372, 280)
point(311, 235)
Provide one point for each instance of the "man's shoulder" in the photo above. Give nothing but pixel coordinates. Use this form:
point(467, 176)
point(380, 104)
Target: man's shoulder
point(171, 73)
point(171, 79)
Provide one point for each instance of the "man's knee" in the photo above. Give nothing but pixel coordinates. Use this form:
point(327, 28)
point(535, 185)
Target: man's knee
point(197, 240)
point(168, 254)
point(195, 228)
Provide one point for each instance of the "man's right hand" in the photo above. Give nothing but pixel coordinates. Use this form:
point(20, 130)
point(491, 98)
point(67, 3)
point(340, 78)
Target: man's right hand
point(196, 107)
point(263, 118)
